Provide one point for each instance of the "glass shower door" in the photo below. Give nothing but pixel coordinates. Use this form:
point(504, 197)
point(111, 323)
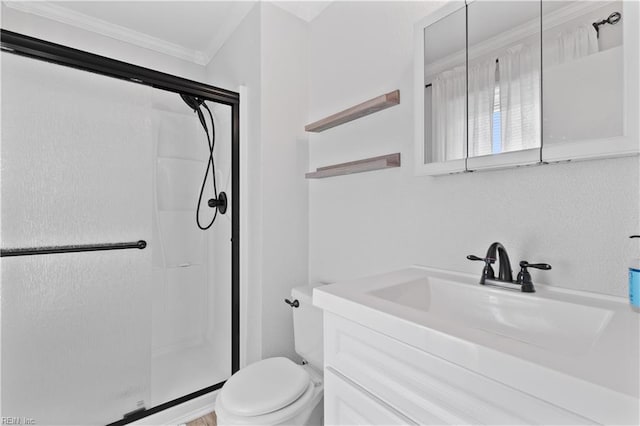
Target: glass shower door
point(76, 169)
point(89, 337)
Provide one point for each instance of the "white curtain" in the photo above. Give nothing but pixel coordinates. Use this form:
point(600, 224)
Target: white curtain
point(520, 98)
point(448, 115)
point(573, 44)
point(482, 82)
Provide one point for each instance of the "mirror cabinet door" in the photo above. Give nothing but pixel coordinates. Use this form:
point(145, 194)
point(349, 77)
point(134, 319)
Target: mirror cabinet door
point(516, 82)
point(444, 145)
point(583, 90)
point(504, 112)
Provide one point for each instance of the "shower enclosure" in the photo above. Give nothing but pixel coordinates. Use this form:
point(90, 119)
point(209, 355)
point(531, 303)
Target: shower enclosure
point(114, 303)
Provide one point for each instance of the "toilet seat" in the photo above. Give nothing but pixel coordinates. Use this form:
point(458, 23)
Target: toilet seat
point(273, 418)
point(234, 399)
point(264, 387)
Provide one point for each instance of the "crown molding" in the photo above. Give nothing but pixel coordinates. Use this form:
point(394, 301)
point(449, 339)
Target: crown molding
point(89, 23)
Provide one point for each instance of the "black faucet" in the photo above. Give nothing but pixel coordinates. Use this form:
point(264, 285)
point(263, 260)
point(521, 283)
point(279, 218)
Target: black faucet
point(497, 251)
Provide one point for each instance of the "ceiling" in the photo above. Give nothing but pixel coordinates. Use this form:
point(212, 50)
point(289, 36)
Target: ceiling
point(304, 9)
point(190, 30)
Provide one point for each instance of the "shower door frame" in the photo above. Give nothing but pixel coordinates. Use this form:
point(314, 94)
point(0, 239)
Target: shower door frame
point(43, 50)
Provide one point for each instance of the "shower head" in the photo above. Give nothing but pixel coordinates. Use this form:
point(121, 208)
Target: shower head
point(193, 102)
point(219, 202)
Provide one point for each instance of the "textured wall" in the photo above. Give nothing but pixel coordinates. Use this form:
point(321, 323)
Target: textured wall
point(574, 216)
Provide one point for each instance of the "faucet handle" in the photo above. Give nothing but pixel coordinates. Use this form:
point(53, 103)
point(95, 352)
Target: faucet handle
point(544, 266)
point(524, 277)
point(487, 271)
point(481, 259)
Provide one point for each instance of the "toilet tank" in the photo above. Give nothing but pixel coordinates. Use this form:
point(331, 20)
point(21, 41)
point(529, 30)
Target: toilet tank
point(307, 327)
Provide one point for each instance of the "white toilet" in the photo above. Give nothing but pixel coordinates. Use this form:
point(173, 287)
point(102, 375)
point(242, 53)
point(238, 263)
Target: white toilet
point(277, 391)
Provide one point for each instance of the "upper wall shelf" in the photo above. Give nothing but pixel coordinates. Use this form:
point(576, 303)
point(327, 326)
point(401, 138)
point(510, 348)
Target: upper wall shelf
point(365, 108)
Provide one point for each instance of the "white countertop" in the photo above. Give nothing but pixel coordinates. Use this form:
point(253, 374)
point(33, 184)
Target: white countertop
point(597, 375)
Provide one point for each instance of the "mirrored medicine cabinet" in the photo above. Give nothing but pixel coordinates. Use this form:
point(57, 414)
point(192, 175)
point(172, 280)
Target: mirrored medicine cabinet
point(510, 83)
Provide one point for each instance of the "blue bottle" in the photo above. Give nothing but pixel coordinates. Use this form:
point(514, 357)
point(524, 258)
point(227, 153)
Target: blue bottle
point(634, 282)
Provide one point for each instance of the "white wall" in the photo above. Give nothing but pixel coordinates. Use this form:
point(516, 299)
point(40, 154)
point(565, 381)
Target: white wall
point(577, 216)
point(284, 162)
point(268, 54)
point(238, 63)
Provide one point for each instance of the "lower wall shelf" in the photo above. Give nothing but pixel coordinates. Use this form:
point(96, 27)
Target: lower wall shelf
point(366, 165)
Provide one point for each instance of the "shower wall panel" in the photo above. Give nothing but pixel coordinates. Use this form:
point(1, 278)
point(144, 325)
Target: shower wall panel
point(191, 310)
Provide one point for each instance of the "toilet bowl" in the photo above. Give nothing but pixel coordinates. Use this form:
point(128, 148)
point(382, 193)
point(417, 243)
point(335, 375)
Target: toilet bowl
point(277, 391)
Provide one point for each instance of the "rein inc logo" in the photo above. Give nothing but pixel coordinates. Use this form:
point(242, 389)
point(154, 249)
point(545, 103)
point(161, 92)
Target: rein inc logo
point(17, 421)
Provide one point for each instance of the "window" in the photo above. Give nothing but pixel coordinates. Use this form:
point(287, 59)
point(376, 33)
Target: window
point(496, 125)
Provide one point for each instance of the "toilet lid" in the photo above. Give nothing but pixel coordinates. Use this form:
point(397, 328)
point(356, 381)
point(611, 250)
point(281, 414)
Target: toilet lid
point(264, 387)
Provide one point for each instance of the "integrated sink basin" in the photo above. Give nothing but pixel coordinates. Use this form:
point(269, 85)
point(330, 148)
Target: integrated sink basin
point(578, 348)
point(555, 325)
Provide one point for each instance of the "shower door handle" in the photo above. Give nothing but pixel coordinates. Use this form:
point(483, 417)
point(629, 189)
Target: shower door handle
point(31, 251)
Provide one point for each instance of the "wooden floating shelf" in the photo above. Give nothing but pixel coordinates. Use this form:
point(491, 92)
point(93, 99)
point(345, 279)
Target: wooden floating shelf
point(366, 165)
point(369, 107)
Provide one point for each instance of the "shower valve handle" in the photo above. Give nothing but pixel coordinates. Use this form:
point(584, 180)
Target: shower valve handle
point(220, 203)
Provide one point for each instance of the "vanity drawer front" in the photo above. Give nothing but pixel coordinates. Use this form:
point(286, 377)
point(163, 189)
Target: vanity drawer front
point(428, 389)
point(346, 403)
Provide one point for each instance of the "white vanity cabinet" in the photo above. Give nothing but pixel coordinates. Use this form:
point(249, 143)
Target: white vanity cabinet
point(423, 345)
point(374, 379)
point(347, 403)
